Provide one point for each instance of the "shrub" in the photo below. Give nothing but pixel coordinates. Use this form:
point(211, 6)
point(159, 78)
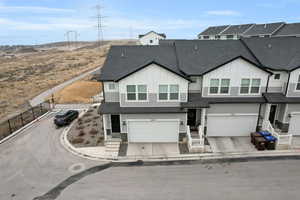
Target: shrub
point(93, 131)
point(81, 133)
point(96, 117)
point(87, 142)
point(77, 140)
point(87, 120)
point(80, 127)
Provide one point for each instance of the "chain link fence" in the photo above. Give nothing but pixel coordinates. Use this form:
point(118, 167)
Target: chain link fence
point(18, 121)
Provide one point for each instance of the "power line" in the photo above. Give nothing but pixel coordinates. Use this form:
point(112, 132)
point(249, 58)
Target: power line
point(70, 42)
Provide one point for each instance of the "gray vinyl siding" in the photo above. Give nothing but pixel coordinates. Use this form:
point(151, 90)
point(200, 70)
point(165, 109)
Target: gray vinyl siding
point(233, 108)
point(291, 108)
point(112, 97)
point(153, 101)
point(292, 92)
point(180, 116)
point(281, 112)
point(233, 92)
point(195, 87)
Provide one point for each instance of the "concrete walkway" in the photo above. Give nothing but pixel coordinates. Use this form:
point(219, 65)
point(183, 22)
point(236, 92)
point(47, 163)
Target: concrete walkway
point(41, 97)
point(231, 144)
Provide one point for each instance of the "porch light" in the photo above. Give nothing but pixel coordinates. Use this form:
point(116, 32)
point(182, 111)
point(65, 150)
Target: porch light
point(181, 123)
point(124, 123)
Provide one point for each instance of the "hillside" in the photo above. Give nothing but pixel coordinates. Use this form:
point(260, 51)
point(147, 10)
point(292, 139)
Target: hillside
point(24, 75)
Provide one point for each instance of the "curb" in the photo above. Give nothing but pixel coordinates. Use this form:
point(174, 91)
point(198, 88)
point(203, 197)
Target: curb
point(27, 126)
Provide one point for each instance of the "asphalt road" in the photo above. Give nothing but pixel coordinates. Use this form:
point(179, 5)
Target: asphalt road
point(247, 180)
point(34, 162)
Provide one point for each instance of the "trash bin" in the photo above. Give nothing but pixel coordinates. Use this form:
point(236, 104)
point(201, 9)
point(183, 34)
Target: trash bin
point(271, 142)
point(260, 143)
point(264, 133)
point(254, 135)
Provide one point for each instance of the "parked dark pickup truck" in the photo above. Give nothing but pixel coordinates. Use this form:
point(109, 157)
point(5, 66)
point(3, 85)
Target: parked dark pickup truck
point(64, 118)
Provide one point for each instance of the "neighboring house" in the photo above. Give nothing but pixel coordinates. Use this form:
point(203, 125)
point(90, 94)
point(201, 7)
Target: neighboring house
point(151, 38)
point(162, 93)
point(234, 32)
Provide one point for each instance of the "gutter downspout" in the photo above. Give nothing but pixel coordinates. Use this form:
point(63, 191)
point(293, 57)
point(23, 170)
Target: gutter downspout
point(268, 82)
point(287, 84)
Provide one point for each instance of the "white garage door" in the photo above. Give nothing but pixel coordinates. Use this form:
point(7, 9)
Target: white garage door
point(294, 128)
point(153, 131)
point(231, 124)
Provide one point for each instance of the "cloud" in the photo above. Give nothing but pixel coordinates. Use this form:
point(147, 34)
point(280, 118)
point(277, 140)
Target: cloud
point(36, 9)
point(223, 13)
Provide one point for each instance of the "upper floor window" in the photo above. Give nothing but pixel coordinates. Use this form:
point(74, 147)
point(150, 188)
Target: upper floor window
point(168, 92)
point(277, 76)
point(151, 41)
point(136, 92)
point(111, 86)
point(250, 86)
point(217, 36)
point(298, 83)
point(219, 86)
point(229, 36)
point(205, 37)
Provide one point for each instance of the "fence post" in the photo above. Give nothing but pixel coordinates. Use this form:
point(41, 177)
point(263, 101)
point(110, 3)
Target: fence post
point(10, 130)
point(33, 113)
point(21, 115)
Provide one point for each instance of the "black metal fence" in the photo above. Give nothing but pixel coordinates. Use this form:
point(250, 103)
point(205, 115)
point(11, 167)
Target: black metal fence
point(16, 122)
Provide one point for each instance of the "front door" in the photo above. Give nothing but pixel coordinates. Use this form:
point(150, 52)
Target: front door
point(272, 113)
point(191, 117)
point(115, 124)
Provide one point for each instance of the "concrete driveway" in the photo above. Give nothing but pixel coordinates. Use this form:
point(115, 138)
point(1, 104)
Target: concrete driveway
point(230, 144)
point(34, 161)
point(153, 149)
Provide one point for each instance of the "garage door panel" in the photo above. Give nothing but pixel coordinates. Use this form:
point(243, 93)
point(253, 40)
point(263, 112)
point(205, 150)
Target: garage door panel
point(231, 125)
point(153, 131)
point(294, 127)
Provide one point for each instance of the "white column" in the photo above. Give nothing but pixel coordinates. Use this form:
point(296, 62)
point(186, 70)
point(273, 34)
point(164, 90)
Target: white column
point(104, 126)
point(203, 114)
point(267, 111)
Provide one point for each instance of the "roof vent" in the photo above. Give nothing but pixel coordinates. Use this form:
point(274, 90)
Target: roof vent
point(122, 54)
point(196, 47)
point(269, 46)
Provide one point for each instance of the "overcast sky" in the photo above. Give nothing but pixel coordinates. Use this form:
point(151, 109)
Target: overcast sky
point(40, 21)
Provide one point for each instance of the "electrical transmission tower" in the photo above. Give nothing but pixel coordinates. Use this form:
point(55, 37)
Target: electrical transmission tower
point(69, 37)
point(100, 26)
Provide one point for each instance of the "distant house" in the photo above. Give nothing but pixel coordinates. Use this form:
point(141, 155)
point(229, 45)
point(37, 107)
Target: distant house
point(151, 38)
point(234, 32)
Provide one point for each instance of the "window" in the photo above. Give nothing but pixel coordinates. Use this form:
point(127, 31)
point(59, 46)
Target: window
point(168, 92)
point(218, 37)
point(229, 36)
point(255, 86)
point(174, 92)
point(138, 92)
point(131, 92)
point(151, 41)
point(245, 86)
point(111, 86)
point(142, 92)
point(163, 92)
point(298, 83)
point(277, 76)
point(225, 86)
point(250, 86)
point(206, 37)
point(216, 88)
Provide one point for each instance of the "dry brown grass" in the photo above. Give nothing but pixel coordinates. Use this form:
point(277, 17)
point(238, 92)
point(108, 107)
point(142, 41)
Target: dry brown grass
point(78, 92)
point(25, 76)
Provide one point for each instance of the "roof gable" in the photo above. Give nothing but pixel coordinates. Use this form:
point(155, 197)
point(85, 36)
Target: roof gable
point(160, 34)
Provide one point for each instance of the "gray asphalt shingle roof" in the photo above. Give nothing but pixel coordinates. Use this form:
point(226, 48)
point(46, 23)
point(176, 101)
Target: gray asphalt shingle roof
point(161, 34)
point(200, 56)
point(276, 53)
point(288, 30)
point(213, 30)
point(236, 29)
point(263, 29)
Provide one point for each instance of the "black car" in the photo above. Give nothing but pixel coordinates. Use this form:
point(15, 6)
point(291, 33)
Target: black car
point(65, 117)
